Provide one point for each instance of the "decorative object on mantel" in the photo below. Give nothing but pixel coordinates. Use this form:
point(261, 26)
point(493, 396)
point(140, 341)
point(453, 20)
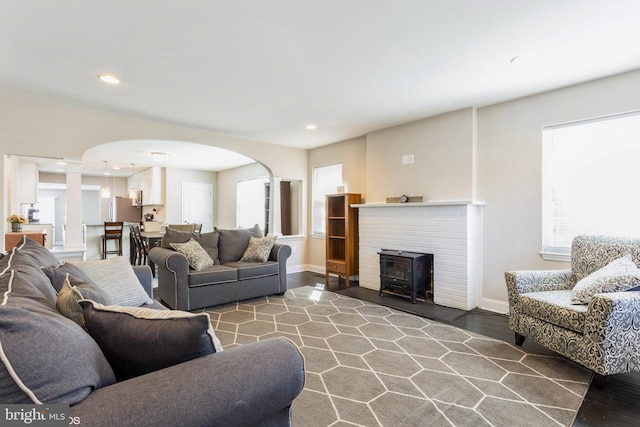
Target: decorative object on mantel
point(16, 222)
point(405, 199)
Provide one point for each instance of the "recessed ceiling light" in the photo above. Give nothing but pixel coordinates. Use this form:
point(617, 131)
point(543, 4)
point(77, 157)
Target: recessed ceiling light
point(117, 168)
point(311, 126)
point(109, 79)
point(160, 157)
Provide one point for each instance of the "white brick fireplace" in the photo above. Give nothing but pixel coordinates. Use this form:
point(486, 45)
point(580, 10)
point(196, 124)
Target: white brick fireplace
point(451, 231)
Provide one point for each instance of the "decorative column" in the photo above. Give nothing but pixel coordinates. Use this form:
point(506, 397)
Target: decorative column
point(275, 208)
point(74, 229)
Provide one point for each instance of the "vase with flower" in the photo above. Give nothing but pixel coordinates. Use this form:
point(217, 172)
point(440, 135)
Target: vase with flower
point(16, 222)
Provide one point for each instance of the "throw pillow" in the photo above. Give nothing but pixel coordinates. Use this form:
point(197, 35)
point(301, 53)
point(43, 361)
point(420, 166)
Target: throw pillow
point(197, 257)
point(208, 241)
point(140, 340)
point(175, 236)
point(73, 290)
point(46, 358)
point(117, 279)
point(58, 274)
point(259, 249)
point(619, 275)
point(233, 243)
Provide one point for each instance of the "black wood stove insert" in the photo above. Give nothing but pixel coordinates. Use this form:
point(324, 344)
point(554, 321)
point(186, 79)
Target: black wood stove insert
point(406, 273)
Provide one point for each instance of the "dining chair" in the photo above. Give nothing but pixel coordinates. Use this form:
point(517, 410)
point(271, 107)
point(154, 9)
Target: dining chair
point(112, 232)
point(141, 247)
point(181, 227)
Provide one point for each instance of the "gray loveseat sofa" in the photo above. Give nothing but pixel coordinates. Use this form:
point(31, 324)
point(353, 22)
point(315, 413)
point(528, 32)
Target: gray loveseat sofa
point(229, 279)
point(48, 358)
point(588, 313)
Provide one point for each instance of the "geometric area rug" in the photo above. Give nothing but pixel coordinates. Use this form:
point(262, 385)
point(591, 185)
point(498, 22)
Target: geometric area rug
point(369, 365)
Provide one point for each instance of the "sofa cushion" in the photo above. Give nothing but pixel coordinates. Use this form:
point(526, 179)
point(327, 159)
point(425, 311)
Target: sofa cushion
point(38, 254)
point(259, 249)
point(233, 243)
point(116, 277)
point(212, 275)
point(28, 257)
point(58, 274)
point(208, 241)
point(197, 257)
point(619, 275)
point(139, 340)
point(553, 307)
point(44, 357)
point(73, 290)
point(252, 270)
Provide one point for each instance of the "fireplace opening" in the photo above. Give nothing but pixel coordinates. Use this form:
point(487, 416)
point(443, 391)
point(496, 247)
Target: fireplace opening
point(407, 274)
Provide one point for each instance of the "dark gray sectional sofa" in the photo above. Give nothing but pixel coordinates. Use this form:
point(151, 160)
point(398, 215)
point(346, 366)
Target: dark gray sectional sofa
point(182, 287)
point(48, 358)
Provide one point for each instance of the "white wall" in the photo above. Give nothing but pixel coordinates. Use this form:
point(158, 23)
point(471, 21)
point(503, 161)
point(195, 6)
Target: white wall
point(510, 166)
point(171, 212)
point(442, 147)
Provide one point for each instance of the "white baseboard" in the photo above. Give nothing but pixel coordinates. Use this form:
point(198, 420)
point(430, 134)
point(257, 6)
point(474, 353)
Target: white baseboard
point(494, 305)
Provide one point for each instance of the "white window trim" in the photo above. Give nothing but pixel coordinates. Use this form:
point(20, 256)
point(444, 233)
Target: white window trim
point(561, 253)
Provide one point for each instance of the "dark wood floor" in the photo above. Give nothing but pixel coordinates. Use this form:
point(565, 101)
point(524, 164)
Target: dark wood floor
point(618, 404)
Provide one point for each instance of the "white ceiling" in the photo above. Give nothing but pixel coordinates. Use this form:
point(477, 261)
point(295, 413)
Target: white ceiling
point(263, 69)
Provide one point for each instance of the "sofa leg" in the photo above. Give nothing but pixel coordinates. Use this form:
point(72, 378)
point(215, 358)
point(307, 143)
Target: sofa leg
point(519, 339)
point(600, 380)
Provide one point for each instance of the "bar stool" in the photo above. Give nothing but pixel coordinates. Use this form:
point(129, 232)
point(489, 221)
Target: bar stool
point(112, 231)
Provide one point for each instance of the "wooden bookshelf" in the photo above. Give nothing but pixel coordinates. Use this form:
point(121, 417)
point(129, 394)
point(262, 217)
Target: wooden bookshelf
point(342, 236)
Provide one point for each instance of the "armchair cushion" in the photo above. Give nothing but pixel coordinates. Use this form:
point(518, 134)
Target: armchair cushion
point(619, 275)
point(554, 307)
point(137, 340)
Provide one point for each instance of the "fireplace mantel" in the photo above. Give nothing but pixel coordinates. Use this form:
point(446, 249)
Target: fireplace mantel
point(450, 230)
point(415, 204)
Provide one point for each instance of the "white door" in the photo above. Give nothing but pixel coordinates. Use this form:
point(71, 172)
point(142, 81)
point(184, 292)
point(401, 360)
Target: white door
point(197, 204)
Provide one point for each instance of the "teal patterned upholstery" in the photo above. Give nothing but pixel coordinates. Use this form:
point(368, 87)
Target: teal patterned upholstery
point(603, 335)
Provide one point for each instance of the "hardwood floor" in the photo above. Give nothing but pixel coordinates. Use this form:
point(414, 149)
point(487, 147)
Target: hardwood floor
point(617, 404)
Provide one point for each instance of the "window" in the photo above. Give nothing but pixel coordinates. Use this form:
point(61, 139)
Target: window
point(251, 203)
point(326, 180)
point(590, 180)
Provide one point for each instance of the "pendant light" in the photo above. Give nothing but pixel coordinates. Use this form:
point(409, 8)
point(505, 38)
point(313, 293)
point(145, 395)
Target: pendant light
point(105, 192)
point(133, 194)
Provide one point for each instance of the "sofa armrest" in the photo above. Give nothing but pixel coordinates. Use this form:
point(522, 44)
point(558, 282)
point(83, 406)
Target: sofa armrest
point(611, 331)
point(520, 282)
point(281, 252)
point(173, 277)
point(144, 275)
point(241, 386)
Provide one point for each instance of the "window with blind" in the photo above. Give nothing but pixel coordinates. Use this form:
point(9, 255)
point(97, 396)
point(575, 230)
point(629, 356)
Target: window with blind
point(590, 181)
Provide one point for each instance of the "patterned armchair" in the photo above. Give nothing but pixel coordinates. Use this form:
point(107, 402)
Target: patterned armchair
point(603, 335)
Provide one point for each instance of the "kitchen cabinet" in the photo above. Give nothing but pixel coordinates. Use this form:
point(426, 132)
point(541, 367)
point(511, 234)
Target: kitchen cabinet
point(152, 184)
point(28, 182)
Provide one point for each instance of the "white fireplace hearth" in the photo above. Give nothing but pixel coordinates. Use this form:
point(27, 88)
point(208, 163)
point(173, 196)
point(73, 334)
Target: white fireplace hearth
point(450, 230)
